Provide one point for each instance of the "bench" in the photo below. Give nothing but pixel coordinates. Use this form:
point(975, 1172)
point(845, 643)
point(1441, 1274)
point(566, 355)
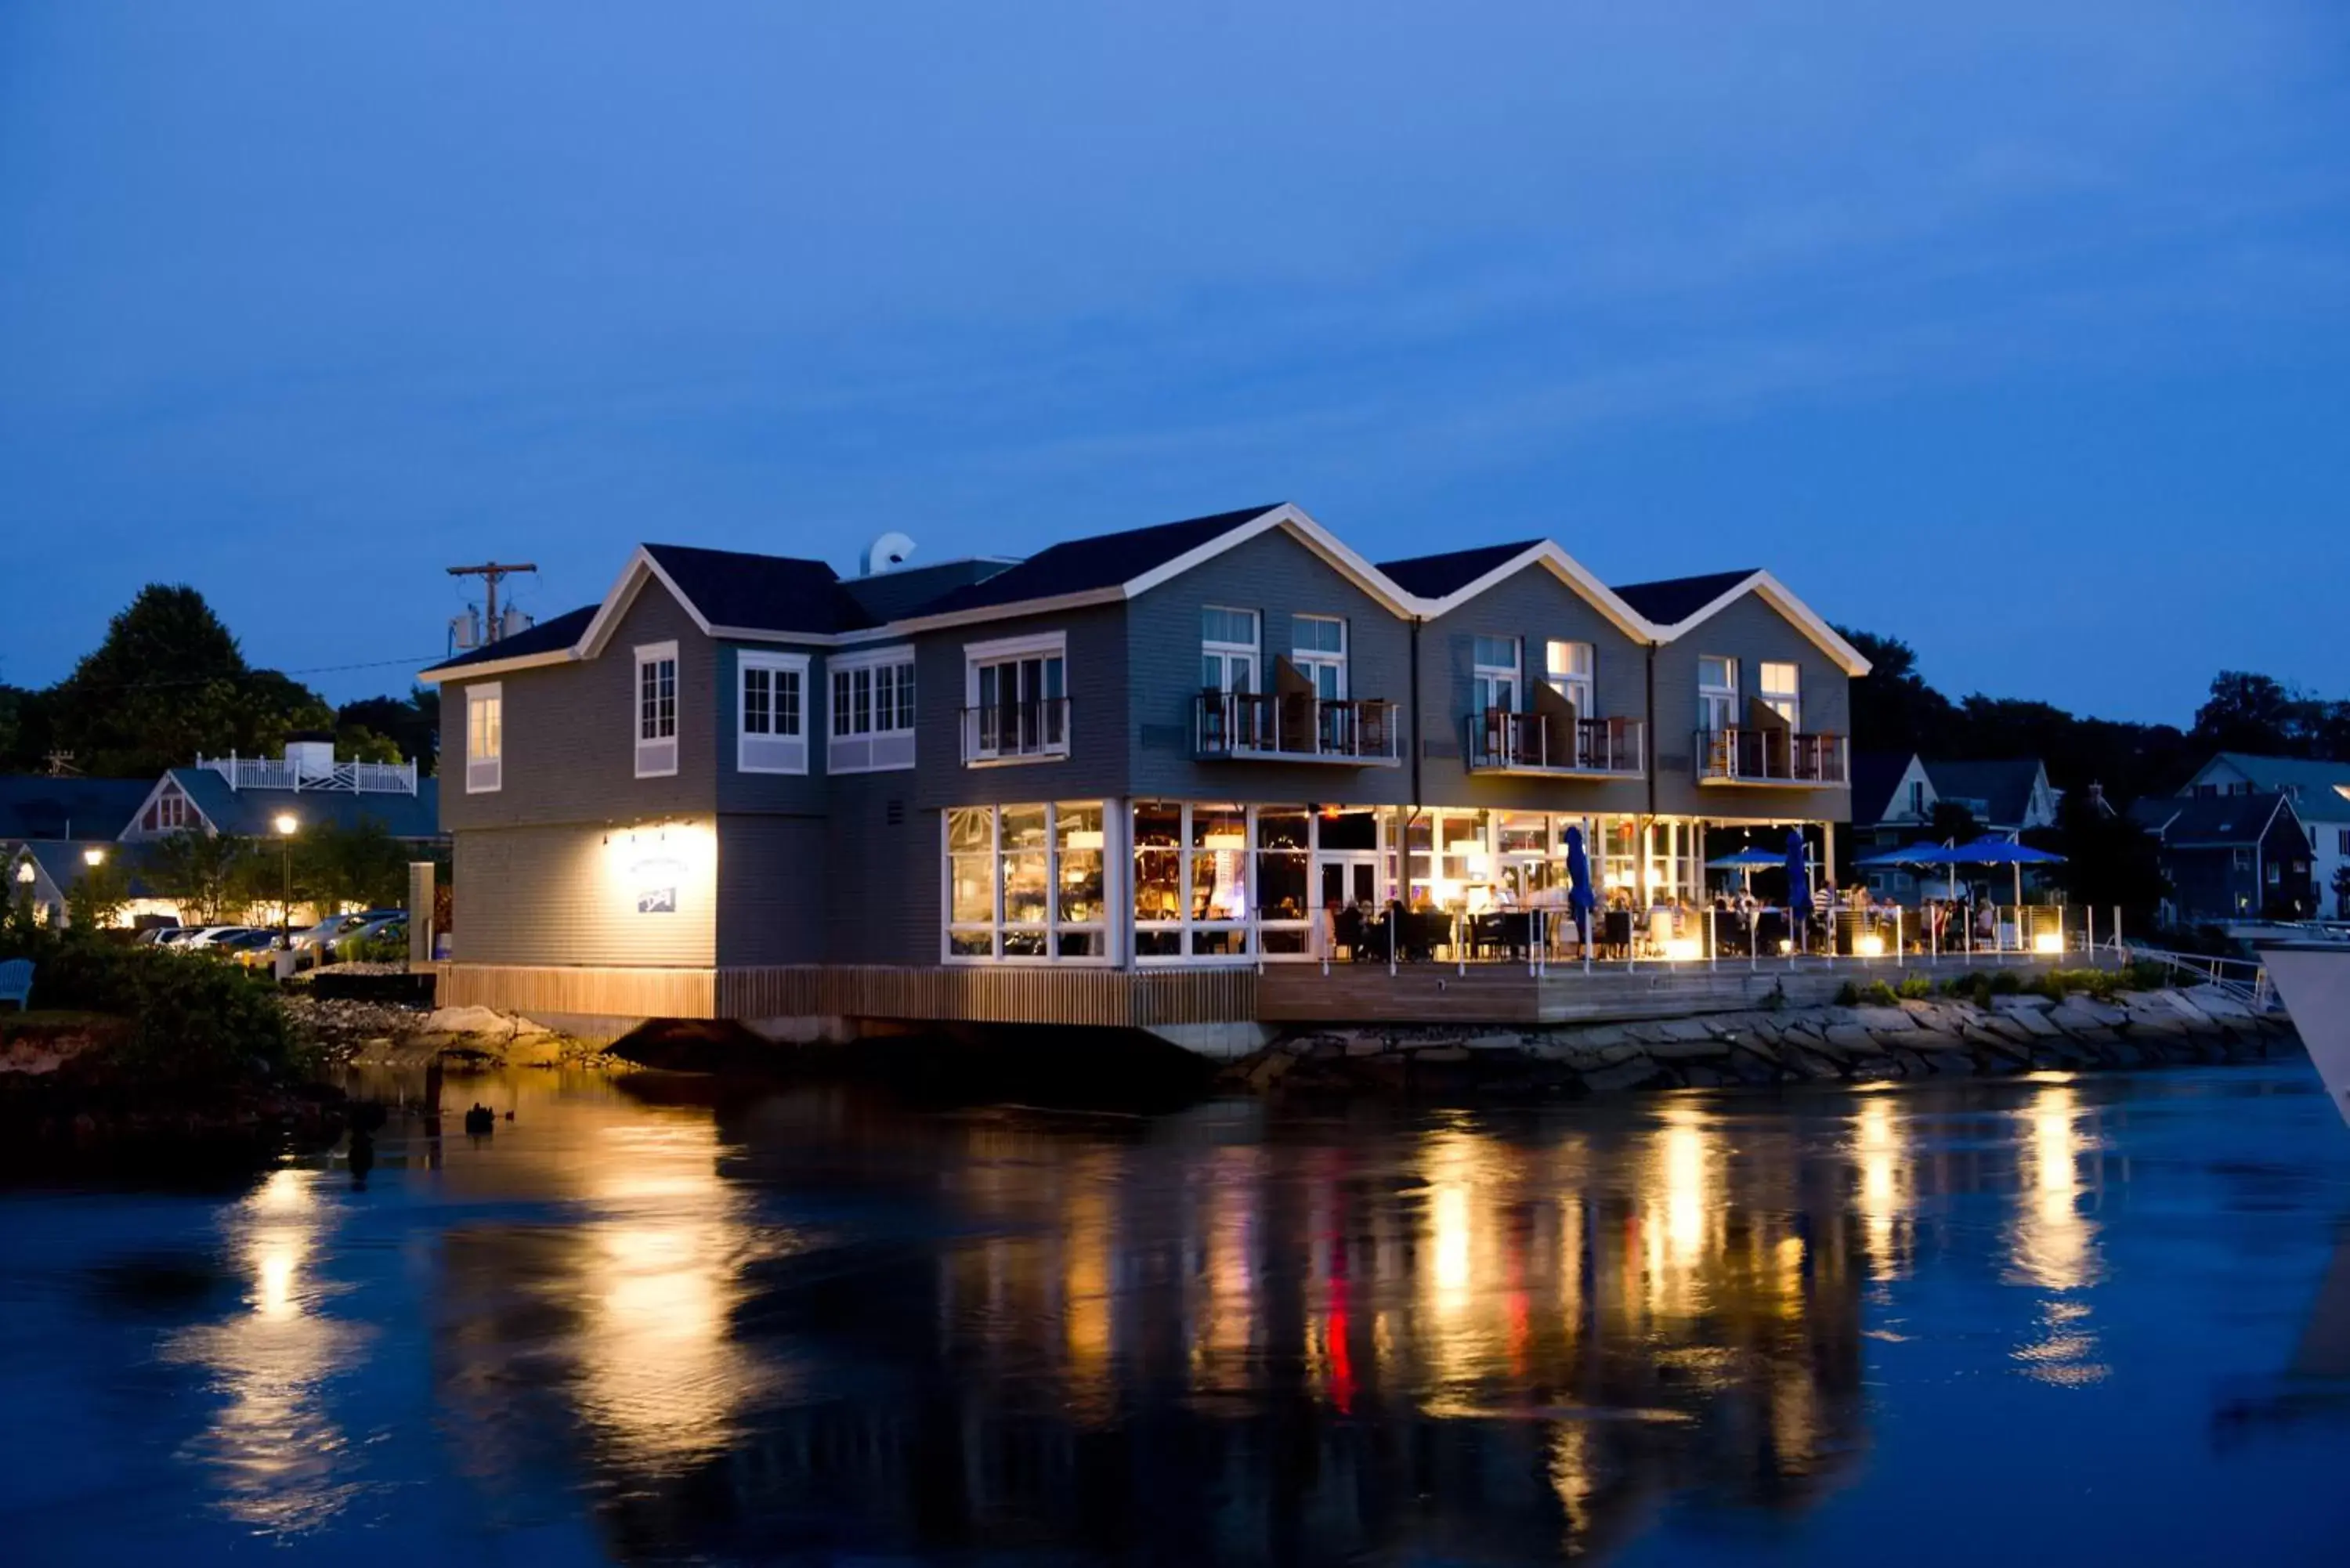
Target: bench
point(16, 983)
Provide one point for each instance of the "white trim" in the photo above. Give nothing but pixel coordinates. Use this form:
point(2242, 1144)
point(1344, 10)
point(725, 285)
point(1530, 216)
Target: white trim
point(882, 748)
point(132, 833)
point(1306, 662)
point(1774, 593)
point(1011, 610)
point(435, 675)
point(1003, 648)
point(1051, 926)
point(788, 753)
point(868, 659)
point(1567, 570)
point(653, 752)
point(481, 693)
point(1013, 651)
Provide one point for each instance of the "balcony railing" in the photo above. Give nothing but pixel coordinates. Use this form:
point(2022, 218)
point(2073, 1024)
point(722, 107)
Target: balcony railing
point(1017, 731)
point(1501, 741)
point(280, 772)
point(1296, 728)
point(1771, 757)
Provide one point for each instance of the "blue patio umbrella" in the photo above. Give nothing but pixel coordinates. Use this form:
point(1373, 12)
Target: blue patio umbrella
point(1799, 881)
point(1927, 853)
point(1579, 896)
point(1747, 859)
point(1992, 850)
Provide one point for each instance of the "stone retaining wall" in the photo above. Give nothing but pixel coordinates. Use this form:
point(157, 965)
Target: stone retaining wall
point(1916, 1039)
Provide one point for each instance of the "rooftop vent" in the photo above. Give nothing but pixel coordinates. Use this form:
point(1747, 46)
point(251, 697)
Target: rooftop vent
point(887, 554)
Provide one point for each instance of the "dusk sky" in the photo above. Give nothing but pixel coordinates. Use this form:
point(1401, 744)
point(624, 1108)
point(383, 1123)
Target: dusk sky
point(2021, 331)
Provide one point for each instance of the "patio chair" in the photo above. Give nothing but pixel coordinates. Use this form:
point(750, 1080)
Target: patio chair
point(16, 983)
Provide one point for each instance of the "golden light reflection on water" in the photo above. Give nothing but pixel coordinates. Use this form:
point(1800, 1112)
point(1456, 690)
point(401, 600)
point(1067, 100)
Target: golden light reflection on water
point(279, 1457)
point(1885, 1201)
point(2053, 1244)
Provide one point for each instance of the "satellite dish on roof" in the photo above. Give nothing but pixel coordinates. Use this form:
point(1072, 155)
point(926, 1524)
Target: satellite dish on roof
point(887, 554)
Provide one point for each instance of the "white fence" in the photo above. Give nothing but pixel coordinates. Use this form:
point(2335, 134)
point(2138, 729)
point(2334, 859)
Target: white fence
point(347, 778)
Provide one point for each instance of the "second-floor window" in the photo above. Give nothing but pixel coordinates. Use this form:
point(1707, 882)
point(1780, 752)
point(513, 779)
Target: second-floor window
point(169, 814)
point(1717, 693)
point(1567, 668)
point(1228, 650)
point(485, 738)
point(1017, 695)
point(1496, 674)
point(872, 711)
point(1317, 647)
point(1783, 691)
point(657, 710)
point(771, 697)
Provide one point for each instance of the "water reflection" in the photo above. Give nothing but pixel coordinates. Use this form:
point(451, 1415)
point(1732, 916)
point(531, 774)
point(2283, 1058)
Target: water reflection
point(813, 1322)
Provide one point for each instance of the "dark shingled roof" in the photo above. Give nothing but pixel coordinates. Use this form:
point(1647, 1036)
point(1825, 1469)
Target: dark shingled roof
point(1433, 577)
point(760, 593)
point(34, 805)
point(1101, 561)
point(1874, 777)
point(887, 596)
point(249, 813)
point(545, 636)
point(2219, 819)
point(1674, 599)
point(2005, 787)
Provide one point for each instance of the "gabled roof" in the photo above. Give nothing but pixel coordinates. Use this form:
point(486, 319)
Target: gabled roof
point(1101, 562)
point(35, 805)
point(741, 592)
point(2208, 822)
point(1874, 777)
point(1433, 577)
point(2314, 785)
point(1679, 604)
point(554, 636)
point(65, 862)
point(1672, 600)
point(2003, 786)
point(249, 813)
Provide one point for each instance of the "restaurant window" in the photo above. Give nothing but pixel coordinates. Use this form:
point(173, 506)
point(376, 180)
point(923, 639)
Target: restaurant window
point(872, 711)
point(770, 704)
point(1717, 693)
point(1025, 883)
point(1566, 665)
point(170, 813)
point(1228, 650)
point(486, 740)
point(1783, 693)
point(1317, 645)
point(1016, 699)
point(657, 710)
point(1495, 672)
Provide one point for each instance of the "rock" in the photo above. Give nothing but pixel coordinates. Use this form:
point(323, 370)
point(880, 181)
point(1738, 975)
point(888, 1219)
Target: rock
point(1688, 1050)
point(1623, 1075)
point(1689, 1030)
point(1808, 1064)
point(1497, 1043)
point(2025, 1003)
point(1361, 1046)
point(1852, 1037)
point(1885, 1020)
point(1441, 1054)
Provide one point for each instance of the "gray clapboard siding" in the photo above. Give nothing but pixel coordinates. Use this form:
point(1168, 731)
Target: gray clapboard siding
point(1751, 631)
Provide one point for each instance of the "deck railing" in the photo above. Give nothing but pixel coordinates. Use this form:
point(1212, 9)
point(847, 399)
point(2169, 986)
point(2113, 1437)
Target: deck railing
point(347, 778)
point(1503, 742)
point(1295, 727)
point(1017, 731)
point(1771, 757)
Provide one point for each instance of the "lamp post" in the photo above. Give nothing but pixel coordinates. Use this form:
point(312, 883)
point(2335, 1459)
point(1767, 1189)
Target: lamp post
point(286, 824)
point(93, 857)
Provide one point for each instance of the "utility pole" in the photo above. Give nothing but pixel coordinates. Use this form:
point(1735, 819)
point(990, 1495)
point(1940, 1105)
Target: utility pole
point(490, 571)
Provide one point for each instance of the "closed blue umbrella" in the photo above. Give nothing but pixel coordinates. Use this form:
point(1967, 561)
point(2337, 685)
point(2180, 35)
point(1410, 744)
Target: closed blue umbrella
point(1799, 881)
point(1579, 896)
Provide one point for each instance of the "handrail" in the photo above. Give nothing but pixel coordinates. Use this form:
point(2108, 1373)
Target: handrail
point(1772, 756)
point(1008, 732)
point(281, 772)
point(1500, 738)
point(1282, 725)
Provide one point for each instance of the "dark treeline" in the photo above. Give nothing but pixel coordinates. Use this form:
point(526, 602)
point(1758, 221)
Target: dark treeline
point(170, 682)
point(1892, 710)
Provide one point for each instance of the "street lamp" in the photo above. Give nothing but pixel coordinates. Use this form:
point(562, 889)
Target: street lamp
point(286, 824)
point(93, 857)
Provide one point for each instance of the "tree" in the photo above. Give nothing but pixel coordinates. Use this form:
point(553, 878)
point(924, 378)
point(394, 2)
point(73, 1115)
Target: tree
point(2342, 892)
point(1893, 709)
point(2110, 862)
point(2256, 713)
point(360, 865)
point(96, 900)
point(412, 724)
point(1954, 824)
point(201, 871)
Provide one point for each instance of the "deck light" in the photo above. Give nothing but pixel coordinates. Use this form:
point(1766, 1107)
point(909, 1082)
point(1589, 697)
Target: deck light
point(2048, 942)
point(287, 823)
point(1869, 946)
point(1681, 948)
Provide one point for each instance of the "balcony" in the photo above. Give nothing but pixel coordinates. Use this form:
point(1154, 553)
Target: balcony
point(1037, 730)
point(1501, 741)
point(1295, 727)
point(1780, 759)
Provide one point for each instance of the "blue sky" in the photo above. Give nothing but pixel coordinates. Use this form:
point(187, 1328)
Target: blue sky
point(2020, 331)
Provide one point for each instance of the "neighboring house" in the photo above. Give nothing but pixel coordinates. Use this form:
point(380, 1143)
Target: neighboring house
point(45, 871)
point(1894, 798)
point(2230, 857)
point(245, 796)
point(741, 786)
point(39, 805)
point(2320, 793)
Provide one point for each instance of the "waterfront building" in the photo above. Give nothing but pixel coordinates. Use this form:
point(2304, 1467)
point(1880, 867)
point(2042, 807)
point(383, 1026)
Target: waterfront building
point(2230, 857)
point(1895, 797)
point(741, 785)
point(2320, 793)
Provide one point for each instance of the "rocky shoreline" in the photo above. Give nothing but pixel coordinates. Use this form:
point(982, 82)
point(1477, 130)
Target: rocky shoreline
point(1908, 1039)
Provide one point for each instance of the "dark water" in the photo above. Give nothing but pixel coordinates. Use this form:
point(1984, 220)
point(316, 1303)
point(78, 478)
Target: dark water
point(2053, 1321)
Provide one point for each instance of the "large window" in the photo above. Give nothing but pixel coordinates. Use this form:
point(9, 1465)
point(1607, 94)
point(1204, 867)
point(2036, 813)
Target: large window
point(1016, 705)
point(1026, 883)
point(1717, 693)
point(657, 710)
point(872, 711)
point(1496, 674)
point(771, 736)
point(485, 738)
point(1317, 645)
point(1191, 877)
point(1566, 665)
point(1228, 650)
point(1783, 691)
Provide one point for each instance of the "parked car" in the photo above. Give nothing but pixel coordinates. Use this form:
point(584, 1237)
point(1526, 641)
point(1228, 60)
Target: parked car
point(211, 936)
point(255, 948)
point(392, 926)
point(327, 930)
point(178, 936)
point(158, 936)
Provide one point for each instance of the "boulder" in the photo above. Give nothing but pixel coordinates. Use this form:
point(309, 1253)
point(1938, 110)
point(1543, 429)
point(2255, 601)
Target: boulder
point(1885, 1020)
point(1623, 1075)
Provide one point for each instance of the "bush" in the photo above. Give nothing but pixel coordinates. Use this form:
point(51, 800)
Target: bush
point(1917, 988)
point(191, 1019)
point(375, 949)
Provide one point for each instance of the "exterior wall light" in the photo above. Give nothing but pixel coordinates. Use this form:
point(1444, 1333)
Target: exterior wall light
point(93, 856)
